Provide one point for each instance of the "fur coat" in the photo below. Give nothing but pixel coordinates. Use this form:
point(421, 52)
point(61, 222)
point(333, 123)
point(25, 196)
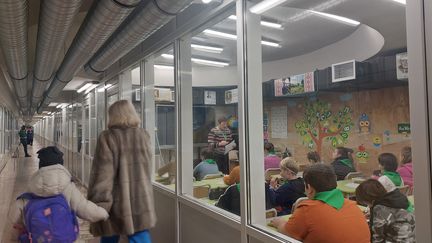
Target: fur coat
point(120, 182)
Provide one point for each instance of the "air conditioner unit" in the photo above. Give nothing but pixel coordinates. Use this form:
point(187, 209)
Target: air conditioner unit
point(162, 94)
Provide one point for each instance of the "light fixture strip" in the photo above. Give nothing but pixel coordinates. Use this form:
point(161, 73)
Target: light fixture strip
point(234, 37)
point(207, 48)
point(84, 87)
point(204, 61)
point(265, 5)
point(401, 1)
point(263, 23)
point(163, 67)
point(337, 18)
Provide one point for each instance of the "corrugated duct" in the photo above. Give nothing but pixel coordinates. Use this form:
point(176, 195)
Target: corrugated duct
point(98, 26)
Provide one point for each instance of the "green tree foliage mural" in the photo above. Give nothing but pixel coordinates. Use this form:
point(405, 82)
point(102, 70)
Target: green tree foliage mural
point(321, 124)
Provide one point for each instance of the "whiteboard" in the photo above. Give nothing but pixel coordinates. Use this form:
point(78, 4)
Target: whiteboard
point(279, 121)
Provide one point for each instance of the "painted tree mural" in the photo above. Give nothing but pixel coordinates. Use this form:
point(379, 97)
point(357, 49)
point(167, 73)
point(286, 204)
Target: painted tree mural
point(320, 124)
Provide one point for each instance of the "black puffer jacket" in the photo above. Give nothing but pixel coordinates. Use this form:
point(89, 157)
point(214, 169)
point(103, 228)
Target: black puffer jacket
point(341, 169)
point(230, 200)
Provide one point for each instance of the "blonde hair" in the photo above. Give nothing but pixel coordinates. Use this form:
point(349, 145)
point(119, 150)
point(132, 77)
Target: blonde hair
point(122, 114)
point(289, 163)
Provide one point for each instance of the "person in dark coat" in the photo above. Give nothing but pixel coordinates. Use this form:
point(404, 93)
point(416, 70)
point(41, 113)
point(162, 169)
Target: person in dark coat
point(30, 136)
point(283, 197)
point(23, 140)
point(343, 162)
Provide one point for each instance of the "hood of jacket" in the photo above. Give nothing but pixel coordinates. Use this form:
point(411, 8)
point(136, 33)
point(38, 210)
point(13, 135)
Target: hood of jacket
point(393, 199)
point(49, 181)
point(407, 166)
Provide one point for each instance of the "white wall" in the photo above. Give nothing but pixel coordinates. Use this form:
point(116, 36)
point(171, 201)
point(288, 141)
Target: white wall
point(364, 43)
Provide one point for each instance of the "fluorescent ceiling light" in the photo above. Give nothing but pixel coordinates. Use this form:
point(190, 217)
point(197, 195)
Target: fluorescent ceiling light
point(220, 34)
point(209, 62)
point(263, 23)
point(53, 104)
point(400, 1)
point(269, 43)
point(90, 88)
point(101, 89)
point(168, 56)
point(84, 87)
point(206, 1)
point(265, 5)
point(207, 48)
point(163, 67)
point(337, 18)
point(234, 37)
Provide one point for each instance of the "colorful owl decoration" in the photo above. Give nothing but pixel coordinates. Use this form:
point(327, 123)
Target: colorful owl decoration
point(364, 123)
point(362, 155)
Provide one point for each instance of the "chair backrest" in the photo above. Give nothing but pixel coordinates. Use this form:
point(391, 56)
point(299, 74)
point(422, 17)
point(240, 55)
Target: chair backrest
point(233, 155)
point(270, 172)
point(351, 175)
point(294, 206)
point(212, 176)
point(271, 213)
point(404, 190)
point(201, 191)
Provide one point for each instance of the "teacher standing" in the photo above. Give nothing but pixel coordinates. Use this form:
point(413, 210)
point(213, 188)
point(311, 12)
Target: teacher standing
point(218, 138)
point(120, 177)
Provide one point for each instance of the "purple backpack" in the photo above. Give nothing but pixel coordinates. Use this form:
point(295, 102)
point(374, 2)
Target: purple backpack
point(48, 219)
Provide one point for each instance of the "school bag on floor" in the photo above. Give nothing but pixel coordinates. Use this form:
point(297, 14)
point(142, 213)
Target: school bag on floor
point(48, 219)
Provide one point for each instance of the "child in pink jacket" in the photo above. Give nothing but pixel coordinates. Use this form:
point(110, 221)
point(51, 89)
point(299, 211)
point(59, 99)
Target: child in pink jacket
point(405, 170)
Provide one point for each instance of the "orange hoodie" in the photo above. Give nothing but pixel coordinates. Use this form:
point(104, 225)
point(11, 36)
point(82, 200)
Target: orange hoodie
point(314, 221)
point(233, 177)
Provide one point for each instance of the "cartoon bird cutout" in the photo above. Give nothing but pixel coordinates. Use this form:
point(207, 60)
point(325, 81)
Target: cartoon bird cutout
point(364, 123)
point(362, 155)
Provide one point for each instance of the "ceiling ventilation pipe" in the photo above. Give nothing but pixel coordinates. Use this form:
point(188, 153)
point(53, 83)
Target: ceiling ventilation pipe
point(13, 40)
point(99, 24)
point(139, 27)
point(56, 18)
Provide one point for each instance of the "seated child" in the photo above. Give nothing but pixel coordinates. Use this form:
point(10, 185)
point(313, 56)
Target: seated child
point(390, 179)
point(391, 217)
point(314, 157)
point(230, 200)
point(343, 162)
point(326, 217)
point(283, 197)
point(50, 182)
point(207, 166)
point(233, 177)
point(271, 160)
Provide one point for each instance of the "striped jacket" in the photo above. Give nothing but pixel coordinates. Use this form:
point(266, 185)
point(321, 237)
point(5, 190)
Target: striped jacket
point(217, 135)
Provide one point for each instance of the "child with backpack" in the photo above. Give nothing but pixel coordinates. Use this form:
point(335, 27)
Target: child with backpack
point(48, 210)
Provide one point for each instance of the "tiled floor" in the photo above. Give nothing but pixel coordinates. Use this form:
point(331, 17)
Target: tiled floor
point(13, 180)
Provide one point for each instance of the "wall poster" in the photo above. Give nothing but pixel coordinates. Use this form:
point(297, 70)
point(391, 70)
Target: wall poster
point(231, 96)
point(209, 97)
point(402, 66)
point(296, 84)
point(279, 121)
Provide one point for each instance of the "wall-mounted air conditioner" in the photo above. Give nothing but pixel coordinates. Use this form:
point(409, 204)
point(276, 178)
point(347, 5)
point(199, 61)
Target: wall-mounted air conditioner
point(163, 95)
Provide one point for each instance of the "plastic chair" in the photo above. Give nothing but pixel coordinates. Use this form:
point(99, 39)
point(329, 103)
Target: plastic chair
point(351, 175)
point(212, 176)
point(201, 191)
point(271, 172)
point(271, 213)
point(294, 206)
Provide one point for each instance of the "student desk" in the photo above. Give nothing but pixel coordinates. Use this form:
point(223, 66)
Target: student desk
point(348, 187)
point(213, 183)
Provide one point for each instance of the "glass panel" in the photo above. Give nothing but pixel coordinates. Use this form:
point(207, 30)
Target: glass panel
point(100, 108)
point(335, 91)
point(164, 114)
point(215, 114)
